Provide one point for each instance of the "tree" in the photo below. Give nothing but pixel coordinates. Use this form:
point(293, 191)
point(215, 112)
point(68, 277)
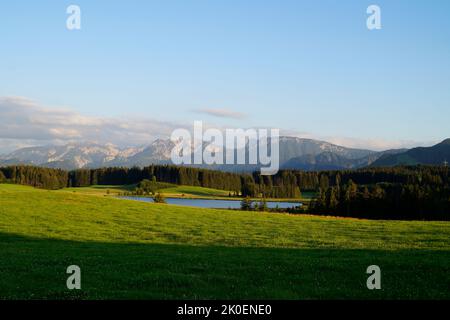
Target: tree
point(246, 204)
point(159, 198)
point(332, 201)
point(324, 182)
point(147, 186)
point(248, 187)
point(352, 189)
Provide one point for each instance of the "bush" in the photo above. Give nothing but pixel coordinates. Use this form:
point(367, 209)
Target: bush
point(246, 204)
point(159, 198)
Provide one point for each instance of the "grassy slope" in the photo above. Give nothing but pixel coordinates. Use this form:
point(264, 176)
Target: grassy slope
point(180, 191)
point(139, 250)
point(175, 191)
point(100, 190)
point(194, 191)
point(208, 193)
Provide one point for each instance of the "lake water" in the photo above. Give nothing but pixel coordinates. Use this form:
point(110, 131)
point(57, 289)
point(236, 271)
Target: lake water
point(213, 203)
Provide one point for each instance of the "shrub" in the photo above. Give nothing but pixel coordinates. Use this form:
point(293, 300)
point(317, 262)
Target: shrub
point(246, 204)
point(159, 198)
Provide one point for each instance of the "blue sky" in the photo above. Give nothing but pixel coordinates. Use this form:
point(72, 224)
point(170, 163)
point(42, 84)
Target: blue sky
point(310, 67)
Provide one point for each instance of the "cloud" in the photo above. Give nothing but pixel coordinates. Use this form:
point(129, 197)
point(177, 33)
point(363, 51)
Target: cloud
point(24, 122)
point(221, 113)
point(379, 144)
point(361, 143)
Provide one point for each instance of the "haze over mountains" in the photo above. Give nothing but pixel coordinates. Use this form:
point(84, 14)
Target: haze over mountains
point(295, 153)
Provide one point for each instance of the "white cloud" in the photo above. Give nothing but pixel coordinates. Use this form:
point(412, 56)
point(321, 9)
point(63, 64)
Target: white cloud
point(361, 143)
point(221, 113)
point(24, 122)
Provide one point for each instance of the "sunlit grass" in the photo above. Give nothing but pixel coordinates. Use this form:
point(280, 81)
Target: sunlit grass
point(130, 249)
point(64, 215)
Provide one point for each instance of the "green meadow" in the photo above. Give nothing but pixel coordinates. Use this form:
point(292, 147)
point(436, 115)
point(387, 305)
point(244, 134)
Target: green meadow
point(103, 190)
point(128, 249)
point(193, 191)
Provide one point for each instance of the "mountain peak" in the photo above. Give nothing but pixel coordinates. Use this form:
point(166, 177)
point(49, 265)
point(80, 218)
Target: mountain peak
point(445, 142)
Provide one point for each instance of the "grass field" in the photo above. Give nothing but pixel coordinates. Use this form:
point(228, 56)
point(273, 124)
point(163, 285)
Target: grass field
point(208, 193)
point(101, 190)
point(176, 191)
point(191, 191)
point(130, 249)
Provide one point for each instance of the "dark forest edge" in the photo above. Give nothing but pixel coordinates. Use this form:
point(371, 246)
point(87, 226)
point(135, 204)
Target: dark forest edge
point(404, 192)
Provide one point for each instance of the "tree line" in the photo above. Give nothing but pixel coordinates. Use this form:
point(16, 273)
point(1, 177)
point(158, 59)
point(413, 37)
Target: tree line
point(35, 176)
point(286, 184)
point(161, 173)
point(406, 192)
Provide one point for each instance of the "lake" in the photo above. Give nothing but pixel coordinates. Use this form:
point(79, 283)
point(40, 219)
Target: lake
point(214, 203)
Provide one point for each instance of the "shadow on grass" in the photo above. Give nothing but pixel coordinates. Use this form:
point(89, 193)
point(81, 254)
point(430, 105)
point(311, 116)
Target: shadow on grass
point(36, 269)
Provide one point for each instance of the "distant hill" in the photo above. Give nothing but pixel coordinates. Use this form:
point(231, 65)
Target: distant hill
point(322, 161)
point(295, 153)
point(334, 161)
point(434, 155)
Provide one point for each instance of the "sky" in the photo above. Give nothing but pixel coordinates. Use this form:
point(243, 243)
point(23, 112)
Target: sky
point(138, 69)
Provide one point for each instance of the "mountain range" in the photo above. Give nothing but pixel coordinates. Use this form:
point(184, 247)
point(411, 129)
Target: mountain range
point(436, 155)
point(295, 153)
